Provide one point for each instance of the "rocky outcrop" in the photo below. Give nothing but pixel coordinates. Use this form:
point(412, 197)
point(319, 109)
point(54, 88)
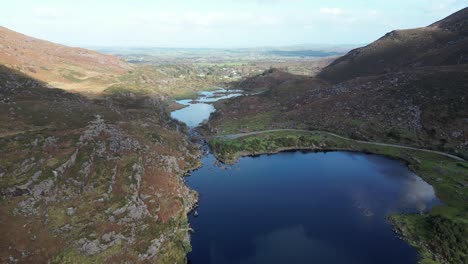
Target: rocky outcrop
point(108, 188)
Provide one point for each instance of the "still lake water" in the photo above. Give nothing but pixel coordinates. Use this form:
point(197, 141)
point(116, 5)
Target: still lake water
point(302, 207)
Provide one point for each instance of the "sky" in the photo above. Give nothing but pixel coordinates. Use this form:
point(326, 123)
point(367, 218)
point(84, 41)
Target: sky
point(218, 23)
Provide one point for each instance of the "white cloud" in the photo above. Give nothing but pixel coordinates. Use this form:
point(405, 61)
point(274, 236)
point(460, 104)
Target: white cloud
point(219, 22)
point(331, 11)
point(207, 20)
point(269, 2)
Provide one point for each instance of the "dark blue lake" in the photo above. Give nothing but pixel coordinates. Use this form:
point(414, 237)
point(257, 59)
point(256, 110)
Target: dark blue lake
point(297, 207)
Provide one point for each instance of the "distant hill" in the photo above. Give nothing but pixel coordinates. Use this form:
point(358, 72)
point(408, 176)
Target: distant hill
point(59, 65)
point(303, 53)
point(442, 43)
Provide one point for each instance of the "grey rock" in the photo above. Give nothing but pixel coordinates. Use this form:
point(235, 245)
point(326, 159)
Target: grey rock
point(50, 141)
point(119, 211)
point(88, 247)
point(36, 175)
point(153, 249)
point(66, 228)
point(70, 211)
point(26, 207)
point(42, 188)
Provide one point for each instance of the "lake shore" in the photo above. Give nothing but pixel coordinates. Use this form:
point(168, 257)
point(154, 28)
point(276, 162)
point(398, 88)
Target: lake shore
point(435, 168)
point(445, 174)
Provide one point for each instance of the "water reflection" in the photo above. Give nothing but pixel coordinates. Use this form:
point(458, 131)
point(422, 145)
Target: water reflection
point(414, 195)
point(418, 193)
point(193, 114)
point(214, 99)
point(289, 245)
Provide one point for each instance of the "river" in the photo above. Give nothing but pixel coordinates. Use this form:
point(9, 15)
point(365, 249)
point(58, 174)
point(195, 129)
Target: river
point(300, 207)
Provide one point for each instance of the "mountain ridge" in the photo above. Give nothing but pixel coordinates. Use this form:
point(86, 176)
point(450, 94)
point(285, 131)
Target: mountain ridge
point(444, 42)
point(417, 95)
point(65, 67)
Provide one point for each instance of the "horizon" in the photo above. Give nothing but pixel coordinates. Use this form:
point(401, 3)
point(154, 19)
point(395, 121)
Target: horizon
point(302, 46)
point(241, 24)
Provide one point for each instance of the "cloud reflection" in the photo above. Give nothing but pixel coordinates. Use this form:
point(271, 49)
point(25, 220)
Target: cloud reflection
point(417, 193)
point(289, 245)
point(414, 195)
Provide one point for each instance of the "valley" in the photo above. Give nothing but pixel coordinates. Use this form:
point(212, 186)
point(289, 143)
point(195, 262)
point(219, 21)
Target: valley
point(247, 155)
point(92, 169)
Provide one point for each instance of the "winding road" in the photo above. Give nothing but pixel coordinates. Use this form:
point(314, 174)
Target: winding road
point(234, 136)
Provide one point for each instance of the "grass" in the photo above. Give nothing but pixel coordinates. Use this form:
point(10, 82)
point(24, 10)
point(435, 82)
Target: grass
point(229, 151)
point(249, 123)
point(57, 216)
point(72, 256)
point(441, 236)
point(176, 249)
point(438, 238)
point(178, 82)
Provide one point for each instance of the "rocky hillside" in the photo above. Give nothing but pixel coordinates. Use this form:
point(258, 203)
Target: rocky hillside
point(270, 78)
point(85, 181)
point(62, 66)
point(442, 43)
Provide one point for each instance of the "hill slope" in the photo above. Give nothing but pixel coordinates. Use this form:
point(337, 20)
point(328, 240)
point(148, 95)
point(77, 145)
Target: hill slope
point(59, 65)
point(442, 43)
point(90, 181)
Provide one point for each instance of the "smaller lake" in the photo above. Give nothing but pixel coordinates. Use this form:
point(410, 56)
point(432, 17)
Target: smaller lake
point(199, 110)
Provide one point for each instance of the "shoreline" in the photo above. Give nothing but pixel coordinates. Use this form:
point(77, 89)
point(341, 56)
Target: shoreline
point(424, 164)
point(235, 136)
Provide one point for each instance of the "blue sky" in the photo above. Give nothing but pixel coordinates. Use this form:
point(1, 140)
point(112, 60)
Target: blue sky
point(220, 23)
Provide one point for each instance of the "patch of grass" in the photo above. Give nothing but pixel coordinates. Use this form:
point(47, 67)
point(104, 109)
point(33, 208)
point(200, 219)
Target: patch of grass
point(72, 75)
point(72, 256)
point(57, 216)
point(437, 238)
point(249, 123)
point(356, 122)
point(176, 81)
point(230, 150)
point(176, 249)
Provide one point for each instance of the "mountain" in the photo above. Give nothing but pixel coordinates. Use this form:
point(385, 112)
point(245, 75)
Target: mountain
point(409, 87)
point(442, 43)
point(61, 66)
